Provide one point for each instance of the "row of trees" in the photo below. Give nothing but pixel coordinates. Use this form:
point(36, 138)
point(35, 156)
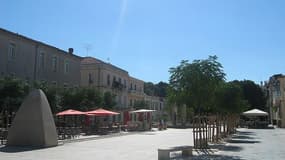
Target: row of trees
point(13, 91)
point(201, 87)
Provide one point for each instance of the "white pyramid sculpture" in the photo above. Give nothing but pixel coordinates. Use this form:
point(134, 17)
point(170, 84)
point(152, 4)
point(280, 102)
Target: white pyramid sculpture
point(34, 124)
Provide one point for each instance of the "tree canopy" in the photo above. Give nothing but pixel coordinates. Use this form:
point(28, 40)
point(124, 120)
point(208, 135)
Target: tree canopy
point(253, 93)
point(159, 89)
point(229, 99)
point(13, 92)
point(194, 84)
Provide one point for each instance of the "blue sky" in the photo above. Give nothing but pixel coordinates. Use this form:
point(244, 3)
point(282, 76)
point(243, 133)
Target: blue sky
point(147, 37)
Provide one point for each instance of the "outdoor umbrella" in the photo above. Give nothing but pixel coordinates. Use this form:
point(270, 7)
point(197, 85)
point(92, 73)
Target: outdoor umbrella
point(255, 112)
point(70, 112)
point(102, 112)
point(142, 111)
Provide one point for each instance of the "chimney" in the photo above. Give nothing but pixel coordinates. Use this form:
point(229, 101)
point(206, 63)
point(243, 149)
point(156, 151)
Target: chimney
point(70, 50)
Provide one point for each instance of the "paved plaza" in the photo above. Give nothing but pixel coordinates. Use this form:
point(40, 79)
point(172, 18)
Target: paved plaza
point(248, 144)
point(135, 146)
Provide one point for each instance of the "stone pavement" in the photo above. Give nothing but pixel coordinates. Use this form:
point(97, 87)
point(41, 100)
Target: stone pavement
point(137, 146)
point(247, 144)
point(256, 144)
point(250, 144)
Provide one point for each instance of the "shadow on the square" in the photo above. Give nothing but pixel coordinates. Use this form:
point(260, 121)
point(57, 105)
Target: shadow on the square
point(242, 137)
point(245, 133)
point(207, 157)
point(12, 149)
point(223, 147)
point(214, 157)
point(242, 141)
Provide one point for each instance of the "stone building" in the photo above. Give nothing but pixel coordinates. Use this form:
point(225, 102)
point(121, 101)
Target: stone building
point(135, 91)
point(155, 103)
point(276, 99)
point(105, 77)
point(31, 60)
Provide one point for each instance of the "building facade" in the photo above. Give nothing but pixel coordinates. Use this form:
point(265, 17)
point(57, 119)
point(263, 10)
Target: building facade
point(155, 103)
point(135, 92)
point(276, 99)
point(129, 91)
point(105, 77)
point(32, 60)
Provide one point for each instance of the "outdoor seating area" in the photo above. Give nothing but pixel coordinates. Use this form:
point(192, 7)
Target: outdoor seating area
point(74, 124)
point(255, 118)
point(3, 136)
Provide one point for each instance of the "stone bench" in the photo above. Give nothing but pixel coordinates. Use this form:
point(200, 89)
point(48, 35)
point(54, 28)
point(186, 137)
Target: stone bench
point(164, 153)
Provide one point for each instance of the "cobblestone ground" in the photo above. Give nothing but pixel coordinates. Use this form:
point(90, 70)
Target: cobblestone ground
point(247, 144)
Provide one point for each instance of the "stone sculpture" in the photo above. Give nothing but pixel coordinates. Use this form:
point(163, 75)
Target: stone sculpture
point(34, 124)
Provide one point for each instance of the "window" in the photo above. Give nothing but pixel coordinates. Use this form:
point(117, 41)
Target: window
point(54, 83)
point(54, 63)
point(90, 81)
point(135, 87)
point(120, 80)
point(65, 85)
point(131, 102)
point(66, 66)
point(125, 83)
point(131, 86)
point(125, 101)
point(114, 78)
point(42, 60)
point(120, 100)
point(108, 80)
point(12, 51)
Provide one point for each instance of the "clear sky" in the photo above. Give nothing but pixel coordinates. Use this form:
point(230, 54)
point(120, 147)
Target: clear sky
point(147, 37)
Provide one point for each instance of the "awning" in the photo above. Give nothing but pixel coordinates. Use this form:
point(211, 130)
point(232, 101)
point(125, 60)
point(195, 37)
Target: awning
point(255, 112)
point(70, 112)
point(142, 111)
point(101, 112)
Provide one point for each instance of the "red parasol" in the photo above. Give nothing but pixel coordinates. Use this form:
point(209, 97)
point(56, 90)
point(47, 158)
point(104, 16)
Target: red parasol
point(70, 112)
point(101, 112)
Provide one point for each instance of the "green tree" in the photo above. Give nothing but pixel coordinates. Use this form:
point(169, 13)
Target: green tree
point(72, 98)
point(149, 88)
point(81, 99)
point(12, 93)
point(109, 100)
point(194, 84)
point(92, 98)
point(253, 94)
point(229, 99)
point(52, 93)
point(159, 89)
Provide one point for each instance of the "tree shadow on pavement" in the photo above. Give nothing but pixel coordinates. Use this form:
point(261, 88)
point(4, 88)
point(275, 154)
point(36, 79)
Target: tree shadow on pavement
point(242, 137)
point(223, 147)
point(214, 157)
point(12, 149)
point(245, 133)
point(242, 141)
point(207, 157)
